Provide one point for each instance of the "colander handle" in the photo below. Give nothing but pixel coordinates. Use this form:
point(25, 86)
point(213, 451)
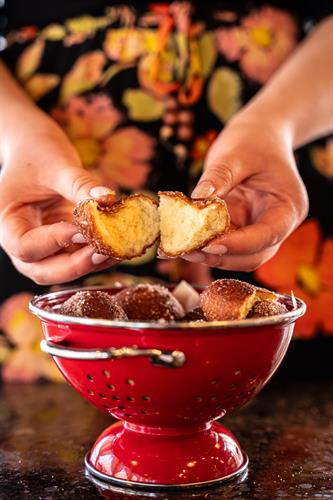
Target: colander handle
point(172, 359)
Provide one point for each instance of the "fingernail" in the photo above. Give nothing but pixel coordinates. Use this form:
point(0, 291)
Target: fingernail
point(99, 191)
point(98, 258)
point(216, 249)
point(196, 257)
point(204, 189)
point(78, 238)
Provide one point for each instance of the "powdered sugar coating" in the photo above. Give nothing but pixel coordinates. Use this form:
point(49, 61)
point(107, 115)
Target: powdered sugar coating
point(267, 308)
point(93, 304)
point(150, 303)
point(196, 314)
point(227, 299)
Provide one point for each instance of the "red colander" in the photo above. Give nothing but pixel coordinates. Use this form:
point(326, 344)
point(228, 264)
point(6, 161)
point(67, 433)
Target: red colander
point(167, 384)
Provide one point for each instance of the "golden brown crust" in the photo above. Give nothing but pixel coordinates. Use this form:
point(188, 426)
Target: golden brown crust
point(84, 219)
point(149, 303)
point(200, 204)
point(93, 304)
point(267, 308)
point(264, 294)
point(227, 299)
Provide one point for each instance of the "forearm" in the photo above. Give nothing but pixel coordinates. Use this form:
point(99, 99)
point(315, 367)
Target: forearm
point(17, 111)
point(299, 97)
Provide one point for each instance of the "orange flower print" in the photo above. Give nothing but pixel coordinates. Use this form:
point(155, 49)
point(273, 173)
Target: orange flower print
point(25, 361)
point(201, 145)
point(173, 60)
point(198, 151)
point(304, 265)
point(261, 43)
point(322, 158)
point(121, 156)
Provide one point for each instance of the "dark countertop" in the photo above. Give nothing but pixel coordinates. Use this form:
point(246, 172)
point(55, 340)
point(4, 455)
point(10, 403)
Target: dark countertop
point(287, 432)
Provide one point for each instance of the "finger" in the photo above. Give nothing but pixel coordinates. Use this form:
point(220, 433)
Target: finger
point(20, 237)
point(245, 263)
point(221, 174)
point(76, 184)
point(271, 228)
point(161, 255)
point(63, 267)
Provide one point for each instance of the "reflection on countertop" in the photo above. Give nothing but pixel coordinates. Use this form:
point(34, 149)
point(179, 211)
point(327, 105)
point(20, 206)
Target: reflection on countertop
point(287, 431)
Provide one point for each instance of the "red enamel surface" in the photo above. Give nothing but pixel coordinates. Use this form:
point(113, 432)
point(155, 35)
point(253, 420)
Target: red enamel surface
point(165, 408)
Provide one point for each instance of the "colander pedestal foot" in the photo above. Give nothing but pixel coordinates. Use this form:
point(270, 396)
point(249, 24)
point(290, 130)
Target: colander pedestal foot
point(165, 458)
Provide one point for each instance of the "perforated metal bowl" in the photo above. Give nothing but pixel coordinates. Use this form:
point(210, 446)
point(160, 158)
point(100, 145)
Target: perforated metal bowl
point(168, 383)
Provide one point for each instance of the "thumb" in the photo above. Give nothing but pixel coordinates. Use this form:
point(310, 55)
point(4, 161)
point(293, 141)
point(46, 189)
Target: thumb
point(221, 175)
point(76, 184)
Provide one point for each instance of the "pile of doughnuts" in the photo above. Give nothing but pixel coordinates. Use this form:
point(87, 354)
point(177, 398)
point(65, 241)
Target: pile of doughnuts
point(222, 300)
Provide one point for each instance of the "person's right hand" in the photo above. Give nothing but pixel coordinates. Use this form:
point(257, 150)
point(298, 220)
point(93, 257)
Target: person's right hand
point(40, 181)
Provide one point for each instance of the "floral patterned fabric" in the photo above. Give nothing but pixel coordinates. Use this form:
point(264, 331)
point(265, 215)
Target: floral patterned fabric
point(142, 91)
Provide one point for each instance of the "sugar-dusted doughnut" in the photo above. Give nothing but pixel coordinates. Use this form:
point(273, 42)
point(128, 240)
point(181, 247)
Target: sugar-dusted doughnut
point(150, 303)
point(267, 308)
point(93, 304)
point(195, 315)
point(227, 299)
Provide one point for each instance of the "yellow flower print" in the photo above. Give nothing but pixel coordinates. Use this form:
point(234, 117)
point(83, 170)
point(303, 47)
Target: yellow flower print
point(83, 76)
point(39, 85)
point(86, 25)
point(141, 106)
point(30, 59)
point(224, 93)
point(54, 32)
point(124, 44)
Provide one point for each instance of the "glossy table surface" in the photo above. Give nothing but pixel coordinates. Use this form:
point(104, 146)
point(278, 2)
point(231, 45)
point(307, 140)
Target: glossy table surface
point(287, 431)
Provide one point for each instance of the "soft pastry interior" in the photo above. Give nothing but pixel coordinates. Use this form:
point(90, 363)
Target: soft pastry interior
point(187, 225)
point(123, 229)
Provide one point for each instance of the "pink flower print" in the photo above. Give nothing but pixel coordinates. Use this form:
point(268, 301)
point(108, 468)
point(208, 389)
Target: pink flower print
point(261, 43)
point(120, 156)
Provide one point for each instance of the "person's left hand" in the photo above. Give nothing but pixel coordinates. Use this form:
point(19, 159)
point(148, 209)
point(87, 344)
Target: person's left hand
point(251, 165)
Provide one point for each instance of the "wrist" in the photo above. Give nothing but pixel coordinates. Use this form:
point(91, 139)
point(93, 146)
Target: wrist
point(269, 120)
point(22, 120)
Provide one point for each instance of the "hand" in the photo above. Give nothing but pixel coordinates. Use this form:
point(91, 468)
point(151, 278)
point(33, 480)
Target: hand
point(41, 179)
point(251, 165)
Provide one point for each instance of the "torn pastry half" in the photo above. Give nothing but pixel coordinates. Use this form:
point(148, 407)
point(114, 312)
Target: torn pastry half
point(122, 229)
point(187, 225)
point(125, 229)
